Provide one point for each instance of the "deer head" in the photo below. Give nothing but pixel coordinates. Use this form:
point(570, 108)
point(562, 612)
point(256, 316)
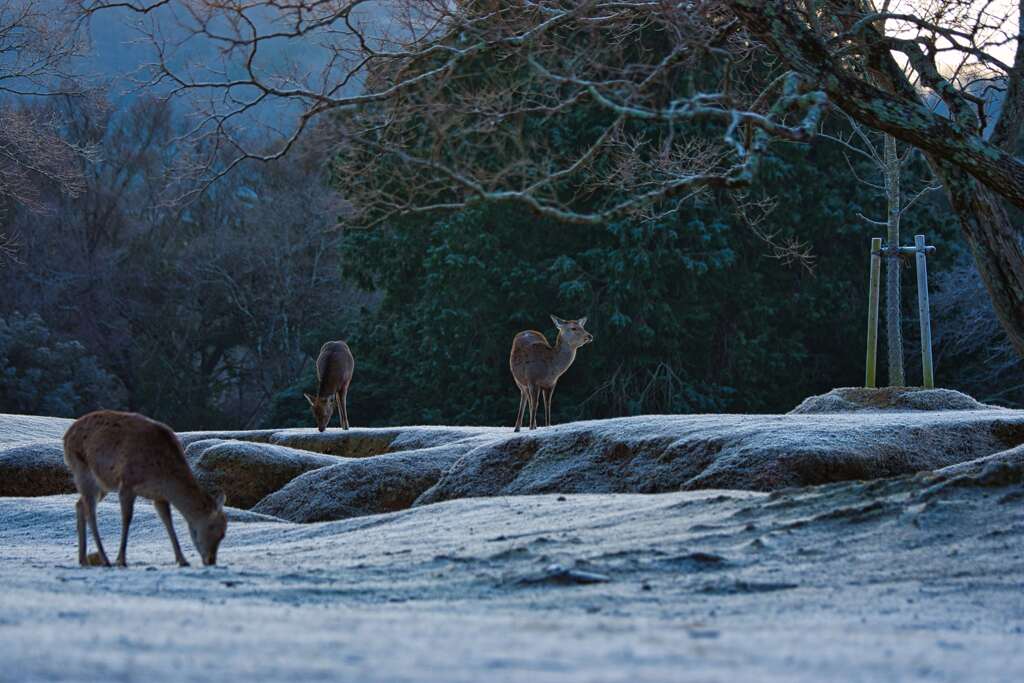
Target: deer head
point(208, 531)
point(572, 332)
point(322, 409)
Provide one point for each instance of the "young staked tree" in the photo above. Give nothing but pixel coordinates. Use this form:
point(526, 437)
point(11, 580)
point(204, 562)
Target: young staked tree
point(889, 162)
point(768, 69)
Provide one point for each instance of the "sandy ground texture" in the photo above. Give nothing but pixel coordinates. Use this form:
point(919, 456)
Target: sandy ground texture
point(914, 578)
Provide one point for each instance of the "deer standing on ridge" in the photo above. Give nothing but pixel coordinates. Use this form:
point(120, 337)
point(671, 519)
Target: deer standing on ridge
point(136, 456)
point(334, 367)
point(536, 365)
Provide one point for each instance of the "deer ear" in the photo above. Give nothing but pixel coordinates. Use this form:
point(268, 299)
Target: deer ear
point(557, 321)
point(309, 398)
point(582, 321)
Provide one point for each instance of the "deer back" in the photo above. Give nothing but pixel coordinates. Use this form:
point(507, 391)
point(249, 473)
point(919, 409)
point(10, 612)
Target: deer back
point(334, 368)
point(121, 447)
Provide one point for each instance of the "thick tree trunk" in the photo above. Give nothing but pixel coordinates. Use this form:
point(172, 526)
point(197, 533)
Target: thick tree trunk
point(995, 242)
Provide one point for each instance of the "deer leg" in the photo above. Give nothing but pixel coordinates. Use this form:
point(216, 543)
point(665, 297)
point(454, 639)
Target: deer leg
point(342, 399)
point(90, 512)
point(80, 517)
point(529, 407)
point(522, 407)
point(534, 404)
point(549, 398)
point(127, 497)
point(163, 509)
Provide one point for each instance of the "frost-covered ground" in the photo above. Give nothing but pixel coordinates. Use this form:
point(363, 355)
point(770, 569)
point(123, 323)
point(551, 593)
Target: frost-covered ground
point(851, 581)
point(912, 578)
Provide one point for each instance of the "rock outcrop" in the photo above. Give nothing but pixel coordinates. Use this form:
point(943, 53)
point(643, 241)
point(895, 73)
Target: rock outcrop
point(362, 486)
point(247, 472)
point(754, 452)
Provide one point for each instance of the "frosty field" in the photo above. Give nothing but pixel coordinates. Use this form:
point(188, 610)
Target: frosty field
point(916, 577)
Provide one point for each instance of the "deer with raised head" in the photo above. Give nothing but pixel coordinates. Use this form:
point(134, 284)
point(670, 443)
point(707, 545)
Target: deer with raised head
point(334, 368)
point(536, 365)
point(136, 456)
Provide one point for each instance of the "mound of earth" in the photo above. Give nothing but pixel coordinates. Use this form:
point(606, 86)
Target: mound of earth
point(34, 469)
point(853, 399)
point(15, 429)
point(247, 472)
point(362, 486)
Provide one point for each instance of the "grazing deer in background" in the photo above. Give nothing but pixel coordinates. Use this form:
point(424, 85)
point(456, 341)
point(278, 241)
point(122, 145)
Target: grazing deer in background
point(536, 365)
point(334, 369)
point(135, 456)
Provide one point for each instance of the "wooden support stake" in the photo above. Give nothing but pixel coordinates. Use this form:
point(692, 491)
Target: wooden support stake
point(924, 313)
point(873, 290)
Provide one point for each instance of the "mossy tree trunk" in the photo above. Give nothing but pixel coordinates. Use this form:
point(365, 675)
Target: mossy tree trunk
point(980, 175)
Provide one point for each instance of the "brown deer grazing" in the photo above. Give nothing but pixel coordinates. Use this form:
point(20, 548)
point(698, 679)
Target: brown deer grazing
point(334, 369)
point(135, 456)
point(536, 365)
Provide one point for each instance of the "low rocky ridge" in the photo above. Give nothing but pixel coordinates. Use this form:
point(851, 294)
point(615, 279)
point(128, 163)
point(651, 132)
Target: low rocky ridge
point(754, 452)
point(303, 476)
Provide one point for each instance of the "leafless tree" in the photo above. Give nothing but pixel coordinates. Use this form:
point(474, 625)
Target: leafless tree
point(410, 71)
point(199, 311)
point(37, 45)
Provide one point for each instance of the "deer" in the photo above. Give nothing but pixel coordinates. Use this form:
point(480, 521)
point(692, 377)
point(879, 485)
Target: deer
point(334, 367)
point(136, 456)
point(536, 365)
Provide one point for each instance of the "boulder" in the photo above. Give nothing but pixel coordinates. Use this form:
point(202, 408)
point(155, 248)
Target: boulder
point(247, 472)
point(34, 469)
point(853, 399)
point(361, 486)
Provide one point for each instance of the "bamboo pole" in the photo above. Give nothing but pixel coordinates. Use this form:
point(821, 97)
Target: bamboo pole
point(924, 312)
point(873, 291)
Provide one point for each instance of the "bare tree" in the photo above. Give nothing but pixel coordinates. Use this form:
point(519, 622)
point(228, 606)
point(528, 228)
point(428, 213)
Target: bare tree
point(37, 45)
point(411, 70)
point(200, 311)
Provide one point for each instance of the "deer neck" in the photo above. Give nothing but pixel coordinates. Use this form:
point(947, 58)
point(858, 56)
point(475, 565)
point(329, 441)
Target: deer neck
point(190, 500)
point(563, 357)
